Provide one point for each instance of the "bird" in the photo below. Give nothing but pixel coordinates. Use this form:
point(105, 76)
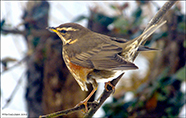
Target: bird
point(92, 57)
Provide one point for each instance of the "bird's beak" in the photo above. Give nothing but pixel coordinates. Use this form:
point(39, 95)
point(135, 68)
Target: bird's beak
point(52, 29)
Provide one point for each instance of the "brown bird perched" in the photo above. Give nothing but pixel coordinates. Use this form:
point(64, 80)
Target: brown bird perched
point(92, 57)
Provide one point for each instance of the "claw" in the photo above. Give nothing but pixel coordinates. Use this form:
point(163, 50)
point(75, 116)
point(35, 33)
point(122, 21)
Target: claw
point(84, 103)
point(110, 85)
point(86, 100)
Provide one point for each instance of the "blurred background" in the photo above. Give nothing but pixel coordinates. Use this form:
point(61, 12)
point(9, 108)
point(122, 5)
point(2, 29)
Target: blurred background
point(35, 80)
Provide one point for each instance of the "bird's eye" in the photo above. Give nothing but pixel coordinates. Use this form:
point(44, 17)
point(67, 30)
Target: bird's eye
point(63, 31)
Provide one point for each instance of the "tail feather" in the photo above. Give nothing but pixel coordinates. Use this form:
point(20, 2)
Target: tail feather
point(144, 48)
point(148, 32)
point(131, 47)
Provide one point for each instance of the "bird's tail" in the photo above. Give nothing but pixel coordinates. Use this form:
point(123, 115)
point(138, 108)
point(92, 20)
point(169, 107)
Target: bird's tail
point(130, 48)
point(143, 37)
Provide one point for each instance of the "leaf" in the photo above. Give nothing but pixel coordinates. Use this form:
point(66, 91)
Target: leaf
point(79, 18)
point(137, 13)
point(2, 22)
point(184, 44)
point(105, 20)
point(121, 23)
point(180, 74)
point(181, 27)
point(8, 59)
point(35, 41)
point(113, 7)
point(152, 102)
point(161, 97)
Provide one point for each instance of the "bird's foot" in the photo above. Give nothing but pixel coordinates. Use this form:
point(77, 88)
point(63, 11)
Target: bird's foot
point(110, 87)
point(85, 104)
point(86, 100)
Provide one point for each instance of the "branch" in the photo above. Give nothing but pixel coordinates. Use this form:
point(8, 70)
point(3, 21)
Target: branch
point(13, 31)
point(35, 33)
point(69, 111)
point(18, 63)
point(102, 98)
point(159, 15)
point(13, 92)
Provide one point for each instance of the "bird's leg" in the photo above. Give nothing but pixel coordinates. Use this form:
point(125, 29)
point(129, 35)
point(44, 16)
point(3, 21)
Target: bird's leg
point(95, 87)
point(112, 87)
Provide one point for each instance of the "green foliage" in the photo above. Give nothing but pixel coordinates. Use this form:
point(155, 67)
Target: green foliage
point(184, 44)
point(181, 27)
point(117, 109)
point(2, 22)
point(137, 14)
point(35, 41)
point(97, 17)
point(164, 96)
point(79, 18)
point(113, 7)
point(121, 23)
point(180, 74)
point(103, 19)
point(181, 19)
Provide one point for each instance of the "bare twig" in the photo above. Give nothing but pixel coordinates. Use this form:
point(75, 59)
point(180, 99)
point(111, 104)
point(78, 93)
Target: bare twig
point(13, 92)
point(13, 31)
point(18, 63)
point(102, 98)
point(35, 33)
point(159, 15)
point(69, 111)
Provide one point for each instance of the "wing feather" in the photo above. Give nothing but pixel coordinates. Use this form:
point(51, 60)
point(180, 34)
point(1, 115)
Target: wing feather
point(103, 57)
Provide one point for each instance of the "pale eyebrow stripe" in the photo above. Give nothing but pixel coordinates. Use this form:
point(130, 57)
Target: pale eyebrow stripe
point(67, 29)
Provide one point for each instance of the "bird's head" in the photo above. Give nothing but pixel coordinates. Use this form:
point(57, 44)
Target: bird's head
point(69, 32)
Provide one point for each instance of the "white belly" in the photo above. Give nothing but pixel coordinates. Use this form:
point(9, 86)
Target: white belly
point(115, 75)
